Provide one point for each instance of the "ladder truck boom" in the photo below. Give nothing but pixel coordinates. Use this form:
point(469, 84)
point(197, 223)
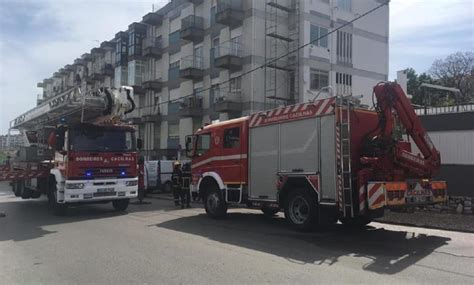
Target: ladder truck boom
point(79, 150)
point(390, 99)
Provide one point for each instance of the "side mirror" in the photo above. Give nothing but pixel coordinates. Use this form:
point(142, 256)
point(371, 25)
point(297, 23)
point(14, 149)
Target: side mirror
point(189, 146)
point(139, 144)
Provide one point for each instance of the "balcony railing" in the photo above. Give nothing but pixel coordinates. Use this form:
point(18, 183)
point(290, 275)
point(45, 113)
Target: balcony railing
point(145, 114)
point(228, 55)
point(192, 28)
point(228, 101)
point(191, 106)
point(191, 67)
point(229, 13)
point(152, 47)
point(461, 108)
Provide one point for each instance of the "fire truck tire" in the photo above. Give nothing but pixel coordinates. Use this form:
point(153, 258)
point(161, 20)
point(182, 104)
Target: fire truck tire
point(120, 205)
point(270, 212)
point(356, 222)
point(35, 194)
point(25, 193)
point(56, 208)
point(214, 203)
point(15, 189)
point(301, 210)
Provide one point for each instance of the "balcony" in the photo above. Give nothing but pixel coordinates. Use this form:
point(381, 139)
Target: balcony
point(152, 47)
point(154, 85)
point(192, 67)
point(63, 71)
point(97, 51)
point(228, 55)
point(191, 107)
point(107, 45)
point(228, 101)
point(138, 90)
point(229, 13)
point(108, 70)
point(153, 19)
point(150, 114)
point(69, 68)
point(79, 61)
point(192, 28)
point(87, 57)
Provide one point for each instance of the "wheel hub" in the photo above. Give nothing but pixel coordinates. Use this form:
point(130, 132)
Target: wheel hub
point(212, 202)
point(299, 210)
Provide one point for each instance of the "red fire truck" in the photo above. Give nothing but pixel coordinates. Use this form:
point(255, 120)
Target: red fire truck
point(77, 150)
point(320, 161)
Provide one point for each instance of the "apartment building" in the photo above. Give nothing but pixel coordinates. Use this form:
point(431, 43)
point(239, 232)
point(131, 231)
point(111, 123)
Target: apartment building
point(196, 61)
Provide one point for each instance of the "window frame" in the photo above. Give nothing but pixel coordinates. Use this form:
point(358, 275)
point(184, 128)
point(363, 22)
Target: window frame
point(226, 144)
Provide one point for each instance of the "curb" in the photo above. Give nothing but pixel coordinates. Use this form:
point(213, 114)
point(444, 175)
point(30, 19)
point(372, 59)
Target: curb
point(169, 198)
point(424, 226)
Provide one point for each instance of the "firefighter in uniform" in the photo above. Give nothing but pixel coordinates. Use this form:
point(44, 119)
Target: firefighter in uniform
point(185, 189)
point(177, 179)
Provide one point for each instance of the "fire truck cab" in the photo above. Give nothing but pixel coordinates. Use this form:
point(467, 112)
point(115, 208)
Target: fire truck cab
point(77, 150)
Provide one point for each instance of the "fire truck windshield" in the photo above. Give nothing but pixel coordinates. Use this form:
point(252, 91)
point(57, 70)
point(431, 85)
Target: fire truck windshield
point(101, 140)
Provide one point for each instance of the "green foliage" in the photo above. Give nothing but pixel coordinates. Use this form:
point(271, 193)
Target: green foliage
point(456, 70)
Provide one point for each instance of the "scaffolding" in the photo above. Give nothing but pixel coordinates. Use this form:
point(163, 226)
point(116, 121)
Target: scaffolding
point(282, 70)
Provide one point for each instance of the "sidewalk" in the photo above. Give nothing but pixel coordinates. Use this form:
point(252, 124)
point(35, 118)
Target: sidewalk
point(433, 220)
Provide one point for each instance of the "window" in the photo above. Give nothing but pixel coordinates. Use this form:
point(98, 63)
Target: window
point(203, 144)
point(213, 15)
point(136, 69)
point(214, 46)
point(232, 138)
point(317, 32)
point(235, 84)
point(173, 107)
point(173, 71)
point(344, 47)
point(174, 38)
point(345, 5)
point(343, 84)
point(173, 135)
point(318, 79)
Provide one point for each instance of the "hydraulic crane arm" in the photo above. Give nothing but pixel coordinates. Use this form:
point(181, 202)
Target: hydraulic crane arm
point(390, 98)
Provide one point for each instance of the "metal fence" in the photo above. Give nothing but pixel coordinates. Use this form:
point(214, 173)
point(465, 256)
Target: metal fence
point(445, 109)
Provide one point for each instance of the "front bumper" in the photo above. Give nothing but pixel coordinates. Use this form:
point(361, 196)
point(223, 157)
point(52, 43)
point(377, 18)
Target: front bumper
point(100, 189)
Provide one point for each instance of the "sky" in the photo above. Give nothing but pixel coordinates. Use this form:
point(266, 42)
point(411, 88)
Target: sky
point(37, 37)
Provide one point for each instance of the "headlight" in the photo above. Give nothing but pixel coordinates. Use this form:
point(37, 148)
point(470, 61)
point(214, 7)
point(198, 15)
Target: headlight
point(74, 185)
point(131, 183)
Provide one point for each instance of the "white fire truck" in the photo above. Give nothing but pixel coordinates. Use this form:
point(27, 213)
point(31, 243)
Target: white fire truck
point(319, 161)
point(77, 151)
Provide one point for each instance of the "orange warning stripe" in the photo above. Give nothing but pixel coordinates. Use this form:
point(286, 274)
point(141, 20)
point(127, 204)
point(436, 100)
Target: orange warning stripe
point(396, 186)
point(438, 185)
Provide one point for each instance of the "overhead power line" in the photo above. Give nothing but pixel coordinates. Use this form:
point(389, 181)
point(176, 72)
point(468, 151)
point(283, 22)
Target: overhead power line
point(275, 59)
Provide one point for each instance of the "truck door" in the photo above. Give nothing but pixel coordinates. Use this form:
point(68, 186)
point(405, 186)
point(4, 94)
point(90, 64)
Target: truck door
point(230, 161)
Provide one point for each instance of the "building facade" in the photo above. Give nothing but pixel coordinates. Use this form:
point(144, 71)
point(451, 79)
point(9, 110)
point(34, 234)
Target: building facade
point(196, 61)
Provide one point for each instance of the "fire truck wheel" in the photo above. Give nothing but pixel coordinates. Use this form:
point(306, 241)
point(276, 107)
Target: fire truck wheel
point(120, 205)
point(25, 193)
point(214, 203)
point(301, 210)
point(270, 212)
point(15, 189)
point(35, 194)
point(56, 208)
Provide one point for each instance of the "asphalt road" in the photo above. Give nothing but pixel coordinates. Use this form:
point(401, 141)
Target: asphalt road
point(157, 243)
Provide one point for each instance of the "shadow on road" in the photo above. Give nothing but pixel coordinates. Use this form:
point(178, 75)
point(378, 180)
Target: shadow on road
point(389, 251)
point(25, 219)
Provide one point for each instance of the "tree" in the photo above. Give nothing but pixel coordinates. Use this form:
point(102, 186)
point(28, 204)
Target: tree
point(456, 70)
point(420, 96)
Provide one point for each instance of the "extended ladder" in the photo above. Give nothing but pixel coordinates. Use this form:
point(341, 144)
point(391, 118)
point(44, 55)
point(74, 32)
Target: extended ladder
point(345, 157)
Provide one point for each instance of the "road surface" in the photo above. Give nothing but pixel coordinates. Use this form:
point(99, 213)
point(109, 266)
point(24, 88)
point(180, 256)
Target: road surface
point(157, 243)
